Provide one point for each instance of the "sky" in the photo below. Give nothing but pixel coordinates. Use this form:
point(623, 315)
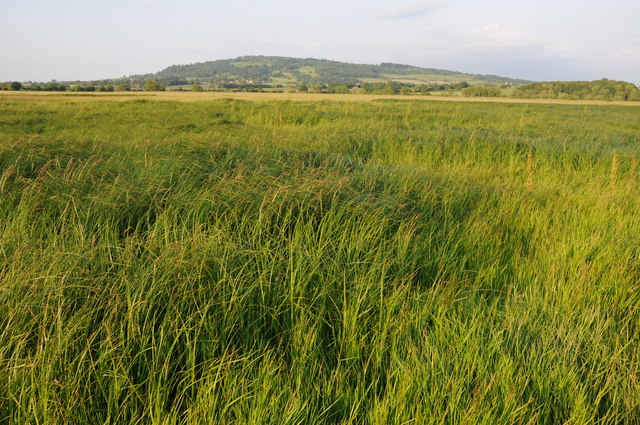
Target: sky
point(537, 40)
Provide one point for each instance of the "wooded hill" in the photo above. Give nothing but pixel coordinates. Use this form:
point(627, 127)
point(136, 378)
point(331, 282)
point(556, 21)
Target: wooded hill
point(291, 71)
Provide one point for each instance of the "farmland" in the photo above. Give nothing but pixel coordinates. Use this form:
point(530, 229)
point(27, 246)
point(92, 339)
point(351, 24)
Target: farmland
point(317, 259)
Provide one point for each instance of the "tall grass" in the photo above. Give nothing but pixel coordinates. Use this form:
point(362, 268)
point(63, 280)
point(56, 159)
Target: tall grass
point(318, 263)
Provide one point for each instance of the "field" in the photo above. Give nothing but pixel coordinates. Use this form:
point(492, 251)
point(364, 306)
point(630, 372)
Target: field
point(318, 260)
point(297, 97)
point(434, 78)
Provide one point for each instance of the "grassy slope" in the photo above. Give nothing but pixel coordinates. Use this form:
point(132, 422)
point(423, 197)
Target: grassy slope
point(438, 79)
point(318, 262)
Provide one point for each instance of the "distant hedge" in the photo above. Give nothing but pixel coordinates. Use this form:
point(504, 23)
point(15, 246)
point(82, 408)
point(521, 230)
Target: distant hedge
point(482, 91)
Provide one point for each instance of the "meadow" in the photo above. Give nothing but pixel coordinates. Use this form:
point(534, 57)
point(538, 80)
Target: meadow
point(264, 261)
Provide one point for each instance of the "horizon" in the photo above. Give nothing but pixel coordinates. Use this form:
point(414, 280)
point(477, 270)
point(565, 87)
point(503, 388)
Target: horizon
point(71, 41)
point(290, 57)
point(267, 56)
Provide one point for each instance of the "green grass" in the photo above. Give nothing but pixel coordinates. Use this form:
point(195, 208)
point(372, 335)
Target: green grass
point(244, 64)
point(434, 78)
point(398, 262)
point(309, 70)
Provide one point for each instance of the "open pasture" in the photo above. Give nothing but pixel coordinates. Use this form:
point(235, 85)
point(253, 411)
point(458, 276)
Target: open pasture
point(265, 261)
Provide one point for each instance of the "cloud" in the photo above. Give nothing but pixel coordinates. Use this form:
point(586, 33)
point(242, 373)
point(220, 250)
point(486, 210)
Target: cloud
point(411, 11)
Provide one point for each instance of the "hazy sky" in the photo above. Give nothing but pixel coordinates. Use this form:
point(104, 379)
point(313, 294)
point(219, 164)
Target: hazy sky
point(539, 40)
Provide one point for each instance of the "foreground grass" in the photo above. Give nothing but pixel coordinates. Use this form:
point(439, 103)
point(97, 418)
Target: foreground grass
point(316, 262)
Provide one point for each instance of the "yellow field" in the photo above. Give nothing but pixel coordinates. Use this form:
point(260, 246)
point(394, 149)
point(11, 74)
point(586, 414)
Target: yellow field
point(304, 97)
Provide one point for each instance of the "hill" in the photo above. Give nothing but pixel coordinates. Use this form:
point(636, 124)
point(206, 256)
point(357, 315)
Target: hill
point(292, 71)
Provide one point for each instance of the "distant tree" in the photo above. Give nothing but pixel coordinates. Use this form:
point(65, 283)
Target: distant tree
point(123, 87)
point(153, 85)
point(405, 90)
point(108, 87)
point(54, 86)
point(177, 82)
point(78, 87)
point(303, 88)
point(15, 86)
point(317, 87)
point(340, 89)
point(373, 87)
point(197, 88)
point(482, 91)
point(392, 87)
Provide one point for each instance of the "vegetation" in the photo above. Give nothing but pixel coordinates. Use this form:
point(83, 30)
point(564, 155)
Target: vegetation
point(153, 85)
point(85, 88)
point(123, 87)
point(394, 87)
point(482, 91)
point(13, 86)
point(54, 86)
point(579, 90)
point(424, 88)
point(268, 73)
point(294, 71)
point(383, 262)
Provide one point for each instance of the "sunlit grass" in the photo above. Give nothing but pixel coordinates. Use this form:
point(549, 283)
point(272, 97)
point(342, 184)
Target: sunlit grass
point(318, 262)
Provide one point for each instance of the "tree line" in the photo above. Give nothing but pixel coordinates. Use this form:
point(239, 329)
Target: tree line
point(603, 89)
point(572, 90)
point(149, 85)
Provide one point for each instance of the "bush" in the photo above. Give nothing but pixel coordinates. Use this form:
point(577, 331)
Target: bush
point(341, 89)
point(153, 85)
